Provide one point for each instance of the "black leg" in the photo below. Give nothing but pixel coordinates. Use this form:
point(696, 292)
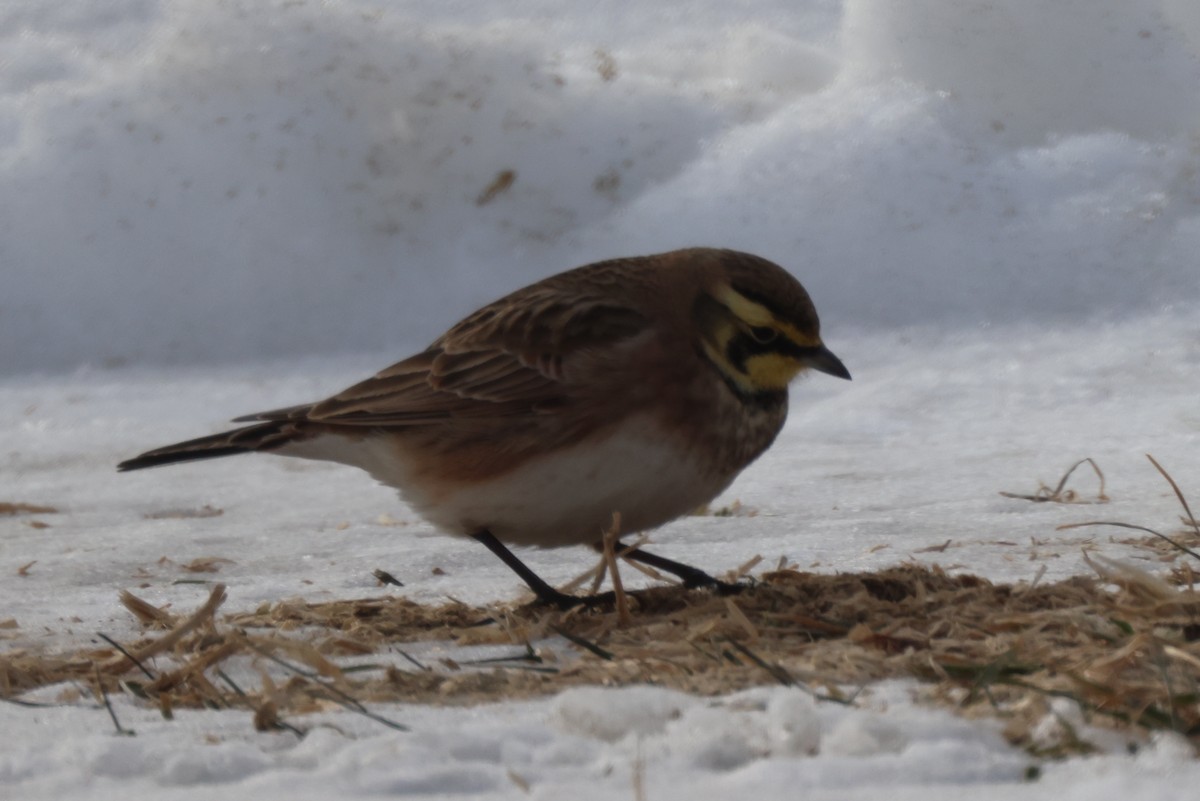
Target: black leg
point(545, 593)
point(692, 576)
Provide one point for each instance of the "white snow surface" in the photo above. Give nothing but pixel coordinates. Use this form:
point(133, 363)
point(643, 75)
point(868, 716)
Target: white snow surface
point(212, 208)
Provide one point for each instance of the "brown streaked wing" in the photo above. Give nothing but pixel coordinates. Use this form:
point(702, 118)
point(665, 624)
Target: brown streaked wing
point(508, 359)
point(419, 397)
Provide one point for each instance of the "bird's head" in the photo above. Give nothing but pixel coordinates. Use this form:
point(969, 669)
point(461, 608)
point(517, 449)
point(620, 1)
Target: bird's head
point(758, 327)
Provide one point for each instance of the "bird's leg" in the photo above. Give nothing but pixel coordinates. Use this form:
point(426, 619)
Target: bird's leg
point(692, 576)
point(544, 592)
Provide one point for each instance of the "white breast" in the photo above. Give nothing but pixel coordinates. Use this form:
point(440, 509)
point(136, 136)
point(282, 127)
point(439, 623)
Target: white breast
point(565, 499)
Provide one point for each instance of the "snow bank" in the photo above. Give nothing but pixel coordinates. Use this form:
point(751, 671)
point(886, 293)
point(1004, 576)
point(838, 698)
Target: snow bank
point(717, 747)
point(184, 182)
point(187, 181)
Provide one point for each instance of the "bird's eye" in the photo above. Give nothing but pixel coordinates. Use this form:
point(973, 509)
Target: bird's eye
point(763, 335)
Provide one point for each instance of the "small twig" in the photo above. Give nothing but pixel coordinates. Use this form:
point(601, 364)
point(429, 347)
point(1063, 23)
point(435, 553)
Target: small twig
point(988, 675)
point(385, 578)
point(743, 570)
point(520, 781)
point(365, 667)
point(528, 655)
point(633, 547)
point(1037, 578)
point(582, 643)
point(594, 574)
point(1160, 661)
point(121, 730)
point(1129, 577)
point(702, 652)
point(266, 714)
point(638, 776)
point(599, 573)
point(738, 617)
point(628, 550)
point(1182, 655)
point(344, 699)
point(274, 722)
point(279, 723)
point(412, 659)
point(1160, 535)
point(146, 612)
point(646, 570)
point(232, 684)
point(780, 674)
point(205, 613)
point(1178, 493)
point(29, 704)
point(1056, 495)
point(128, 655)
point(610, 558)
point(1084, 704)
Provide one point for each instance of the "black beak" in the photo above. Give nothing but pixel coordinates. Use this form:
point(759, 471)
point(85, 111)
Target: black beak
point(823, 360)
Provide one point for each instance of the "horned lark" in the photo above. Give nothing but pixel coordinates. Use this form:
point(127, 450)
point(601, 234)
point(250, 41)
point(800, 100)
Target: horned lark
point(641, 386)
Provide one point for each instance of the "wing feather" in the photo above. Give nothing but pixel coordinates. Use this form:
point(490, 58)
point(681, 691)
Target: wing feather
point(511, 358)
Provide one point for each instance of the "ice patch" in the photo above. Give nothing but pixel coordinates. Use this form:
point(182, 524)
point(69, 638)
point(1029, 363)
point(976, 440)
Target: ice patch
point(860, 735)
point(612, 714)
point(188, 181)
point(1026, 70)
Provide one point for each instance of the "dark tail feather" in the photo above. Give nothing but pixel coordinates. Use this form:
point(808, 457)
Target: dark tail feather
point(262, 437)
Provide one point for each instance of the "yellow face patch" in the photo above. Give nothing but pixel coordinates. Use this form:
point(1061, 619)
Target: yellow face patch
point(753, 349)
point(771, 370)
point(757, 315)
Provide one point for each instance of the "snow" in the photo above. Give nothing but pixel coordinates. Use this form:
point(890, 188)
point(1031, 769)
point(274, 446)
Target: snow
point(215, 208)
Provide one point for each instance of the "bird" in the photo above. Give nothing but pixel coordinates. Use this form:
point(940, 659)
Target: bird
point(641, 386)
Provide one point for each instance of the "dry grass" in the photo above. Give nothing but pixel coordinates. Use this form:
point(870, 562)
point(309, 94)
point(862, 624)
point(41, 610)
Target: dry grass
point(9, 508)
point(1123, 644)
